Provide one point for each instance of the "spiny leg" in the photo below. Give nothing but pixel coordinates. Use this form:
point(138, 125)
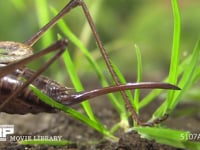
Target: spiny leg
point(66, 9)
point(109, 65)
point(107, 61)
point(104, 54)
point(60, 46)
point(72, 4)
point(12, 66)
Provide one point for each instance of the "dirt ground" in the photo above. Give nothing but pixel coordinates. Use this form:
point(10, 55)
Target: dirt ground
point(86, 138)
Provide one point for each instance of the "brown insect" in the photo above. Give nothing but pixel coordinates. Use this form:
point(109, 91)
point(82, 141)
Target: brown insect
point(17, 98)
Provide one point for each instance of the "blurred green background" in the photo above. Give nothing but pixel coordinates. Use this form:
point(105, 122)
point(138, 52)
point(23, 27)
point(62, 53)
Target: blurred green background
point(120, 23)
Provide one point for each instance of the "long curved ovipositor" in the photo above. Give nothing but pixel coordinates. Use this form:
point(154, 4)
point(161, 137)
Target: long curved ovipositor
point(80, 97)
point(28, 102)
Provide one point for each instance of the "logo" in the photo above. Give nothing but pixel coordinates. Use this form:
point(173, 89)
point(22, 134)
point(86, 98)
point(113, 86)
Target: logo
point(5, 130)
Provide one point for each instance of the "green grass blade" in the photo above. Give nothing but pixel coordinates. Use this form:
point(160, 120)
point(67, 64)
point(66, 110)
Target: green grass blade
point(77, 83)
point(70, 67)
point(175, 56)
point(135, 103)
point(184, 84)
point(154, 93)
point(73, 113)
point(122, 107)
point(168, 136)
point(43, 18)
point(192, 145)
point(45, 142)
point(149, 98)
point(63, 26)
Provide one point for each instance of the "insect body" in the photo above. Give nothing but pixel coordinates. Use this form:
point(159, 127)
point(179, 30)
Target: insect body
point(27, 102)
point(17, 98)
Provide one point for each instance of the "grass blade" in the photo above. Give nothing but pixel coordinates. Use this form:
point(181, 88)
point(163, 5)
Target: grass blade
point(43, 18)
point(122, 107)
point(154, 93)
point(45, 142)
point(168, 136)
point(77, 83)
point(63, 26)
point(185, 83)
point(175, 56)
point(73, 113)
point(135, 103)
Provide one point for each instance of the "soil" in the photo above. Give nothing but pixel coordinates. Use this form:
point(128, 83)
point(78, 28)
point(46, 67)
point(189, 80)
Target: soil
point(86, 138)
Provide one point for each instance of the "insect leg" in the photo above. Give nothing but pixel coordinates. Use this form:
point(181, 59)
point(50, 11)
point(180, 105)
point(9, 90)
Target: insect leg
point(108, 63)
point(12, 66)
point(72, 4)
point(59, 45)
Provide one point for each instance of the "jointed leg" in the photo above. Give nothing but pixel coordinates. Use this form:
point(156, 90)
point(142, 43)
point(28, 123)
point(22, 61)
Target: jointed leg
point(59, 45)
